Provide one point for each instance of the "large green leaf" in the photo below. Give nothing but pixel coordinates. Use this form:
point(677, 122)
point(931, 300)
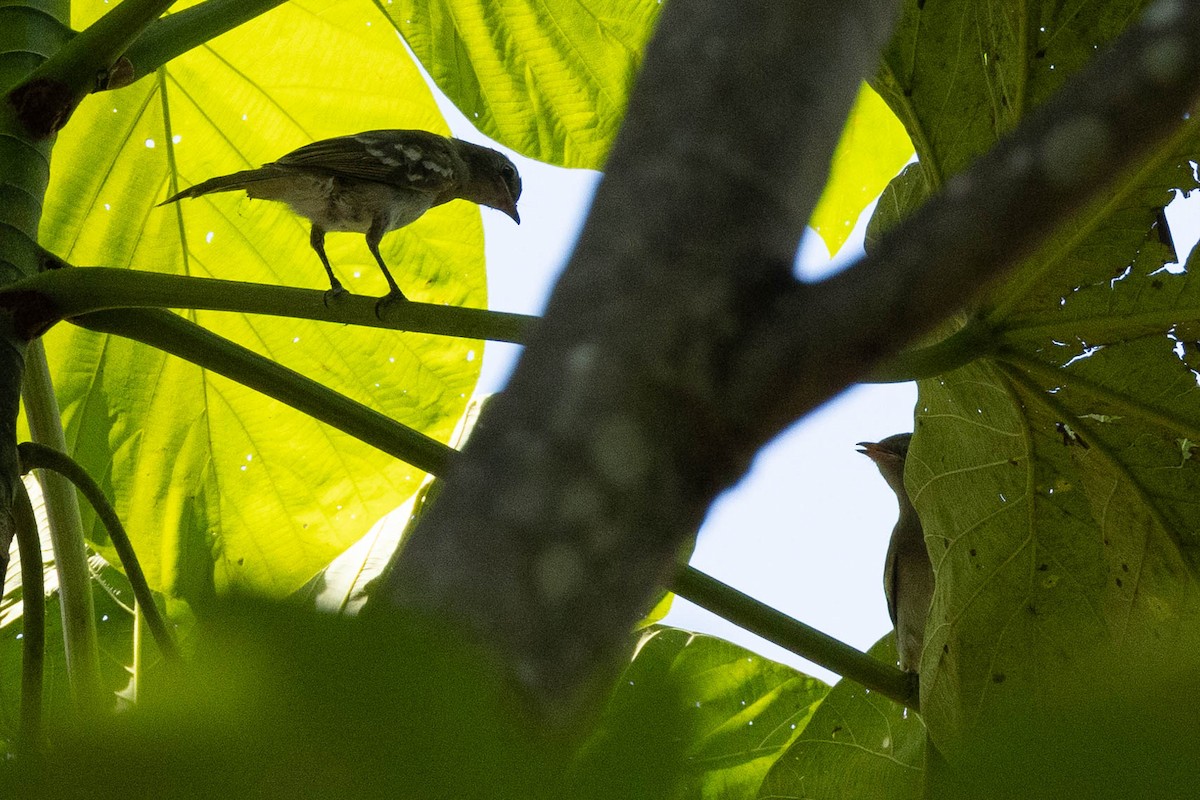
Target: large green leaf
point(741, 709)
point(857, 745)
point(549, 79)
point(218, 486)
point(1056, 477)
point(958, 75)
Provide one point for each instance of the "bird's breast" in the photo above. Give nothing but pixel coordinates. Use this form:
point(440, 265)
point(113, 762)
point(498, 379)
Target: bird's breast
point(337, 204)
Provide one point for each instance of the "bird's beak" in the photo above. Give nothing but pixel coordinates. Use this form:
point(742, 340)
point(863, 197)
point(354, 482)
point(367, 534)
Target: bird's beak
point(507, 205)
point(877, 452)
point(500, 197)
point(507, 202)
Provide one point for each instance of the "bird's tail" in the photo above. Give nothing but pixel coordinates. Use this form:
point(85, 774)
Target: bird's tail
point(225, 183)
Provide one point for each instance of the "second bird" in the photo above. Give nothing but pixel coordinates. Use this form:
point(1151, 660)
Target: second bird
point(907, 573)
point(375, 182)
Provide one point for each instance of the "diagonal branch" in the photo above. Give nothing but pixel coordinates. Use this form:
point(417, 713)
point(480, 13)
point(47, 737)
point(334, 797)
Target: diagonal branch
point(173, 334)
point(677, 343)
point(775, 626)
point(187, 340)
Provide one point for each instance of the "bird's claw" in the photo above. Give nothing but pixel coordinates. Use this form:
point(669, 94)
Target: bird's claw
point(334, 294)
point(392, 298)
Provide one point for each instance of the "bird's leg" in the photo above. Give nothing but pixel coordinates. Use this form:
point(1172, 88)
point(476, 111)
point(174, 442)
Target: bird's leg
point(317, 239)
point(374, 235)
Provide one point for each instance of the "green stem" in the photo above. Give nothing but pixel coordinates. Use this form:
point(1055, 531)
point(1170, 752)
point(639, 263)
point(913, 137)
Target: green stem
point(33, 622)
point(66, 534)
point(177, 33)
point(957, 350)
point(57, 294)
point(777, 627)
point(37, 456)
point(175, 335)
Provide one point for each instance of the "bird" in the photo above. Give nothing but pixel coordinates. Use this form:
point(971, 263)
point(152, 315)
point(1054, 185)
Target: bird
point(907, 572)
point(372, 183)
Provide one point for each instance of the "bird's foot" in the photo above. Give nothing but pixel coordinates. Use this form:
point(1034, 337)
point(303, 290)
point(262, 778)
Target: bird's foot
point(334, 293)
point(392, 298)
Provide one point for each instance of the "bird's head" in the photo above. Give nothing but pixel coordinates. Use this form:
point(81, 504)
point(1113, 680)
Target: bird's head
point(889, 454)
point(494, 180)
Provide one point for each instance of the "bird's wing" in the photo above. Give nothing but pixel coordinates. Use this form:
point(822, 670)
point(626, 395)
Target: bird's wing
point(889, 575)
point(413, 159)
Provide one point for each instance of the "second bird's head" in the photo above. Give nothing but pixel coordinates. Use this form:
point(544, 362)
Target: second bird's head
point(889, 455)
point(494, 180)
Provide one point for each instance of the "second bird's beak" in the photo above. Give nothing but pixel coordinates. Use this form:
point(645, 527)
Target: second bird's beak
point(877, 452)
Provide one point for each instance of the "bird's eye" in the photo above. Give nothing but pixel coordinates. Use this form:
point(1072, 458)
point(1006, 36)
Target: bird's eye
point(508, 171)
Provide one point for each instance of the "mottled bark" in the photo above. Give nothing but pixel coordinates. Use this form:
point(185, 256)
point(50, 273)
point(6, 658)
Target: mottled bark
point(593, 469)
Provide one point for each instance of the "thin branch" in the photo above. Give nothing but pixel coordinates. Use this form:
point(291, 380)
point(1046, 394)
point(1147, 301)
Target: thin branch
point(775, 626)
point(53, 295)
point(178, 33)
point(178, 336)
point(37, 456)
point(47, 98)
point(33, 622)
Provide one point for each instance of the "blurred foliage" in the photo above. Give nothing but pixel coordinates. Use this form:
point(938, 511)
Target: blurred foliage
point(281, 703)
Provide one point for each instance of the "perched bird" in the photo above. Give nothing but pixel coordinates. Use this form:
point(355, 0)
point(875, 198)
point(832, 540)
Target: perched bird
point(375, 182)
point(907, 572)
